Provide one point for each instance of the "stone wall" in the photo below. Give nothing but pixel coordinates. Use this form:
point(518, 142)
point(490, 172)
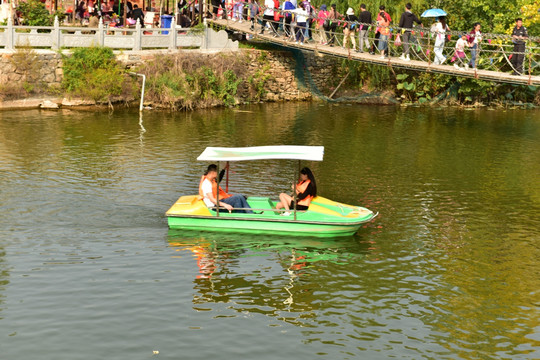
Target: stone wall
point(45, 69)
point(32, 67)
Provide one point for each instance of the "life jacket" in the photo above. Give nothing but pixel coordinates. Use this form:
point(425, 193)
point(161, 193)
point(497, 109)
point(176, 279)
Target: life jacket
point(301, 187)
point(222, 194)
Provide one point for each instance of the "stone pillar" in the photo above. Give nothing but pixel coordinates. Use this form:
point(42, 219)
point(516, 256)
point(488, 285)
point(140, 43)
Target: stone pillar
point(55, 33)
point(100, 33)
point(138, 36)
point(204, 44)
point(173, 34)
point(10, 33)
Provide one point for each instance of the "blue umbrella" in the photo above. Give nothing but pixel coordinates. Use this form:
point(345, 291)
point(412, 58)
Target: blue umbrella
point(434, 13)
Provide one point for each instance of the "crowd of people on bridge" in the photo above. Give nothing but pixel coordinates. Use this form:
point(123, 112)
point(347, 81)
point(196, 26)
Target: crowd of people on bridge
point(299, 21)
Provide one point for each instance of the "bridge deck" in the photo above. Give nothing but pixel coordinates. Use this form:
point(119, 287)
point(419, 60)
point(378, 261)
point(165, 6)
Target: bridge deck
point(338, 51)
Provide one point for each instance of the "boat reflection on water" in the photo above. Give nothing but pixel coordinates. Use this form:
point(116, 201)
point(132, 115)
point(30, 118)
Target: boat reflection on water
point(263, 273)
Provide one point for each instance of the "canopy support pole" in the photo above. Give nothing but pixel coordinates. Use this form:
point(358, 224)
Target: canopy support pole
point(217, 192)
point(227, 178)
point(296, 175)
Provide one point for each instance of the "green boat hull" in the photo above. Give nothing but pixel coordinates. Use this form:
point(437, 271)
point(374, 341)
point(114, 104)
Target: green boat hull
point(324, 218)
point(261, 226)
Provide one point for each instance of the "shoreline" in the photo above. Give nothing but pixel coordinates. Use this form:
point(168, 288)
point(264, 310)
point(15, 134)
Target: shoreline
point(48, 102)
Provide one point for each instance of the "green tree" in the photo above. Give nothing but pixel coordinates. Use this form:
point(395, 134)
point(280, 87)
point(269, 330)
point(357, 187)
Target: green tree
point(34, 13)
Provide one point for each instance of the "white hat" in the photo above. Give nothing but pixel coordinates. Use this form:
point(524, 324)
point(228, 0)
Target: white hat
point(350, 11)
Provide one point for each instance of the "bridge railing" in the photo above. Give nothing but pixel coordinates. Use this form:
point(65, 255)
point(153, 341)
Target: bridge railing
point(494, 52)
point(137, 38)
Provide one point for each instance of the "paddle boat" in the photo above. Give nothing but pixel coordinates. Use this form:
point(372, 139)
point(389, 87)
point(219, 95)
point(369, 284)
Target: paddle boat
point(323, 218)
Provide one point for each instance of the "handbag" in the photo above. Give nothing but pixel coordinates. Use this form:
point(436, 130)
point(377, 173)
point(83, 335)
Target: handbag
point(397, 42)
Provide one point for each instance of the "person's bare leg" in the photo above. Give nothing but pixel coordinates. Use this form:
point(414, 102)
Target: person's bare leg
point(284, 200)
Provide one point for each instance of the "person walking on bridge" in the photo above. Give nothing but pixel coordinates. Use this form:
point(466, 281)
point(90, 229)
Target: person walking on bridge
point(287, 7)
point(519, 36)
point(474, 39)
point(382, 16)
point(268, 16)
point(406, 24)
point(350, 28)
point(364, 18)
point(330, 24)
point(321, 19)
point(439, 29)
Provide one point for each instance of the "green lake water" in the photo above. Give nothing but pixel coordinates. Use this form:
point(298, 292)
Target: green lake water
point(449, 270)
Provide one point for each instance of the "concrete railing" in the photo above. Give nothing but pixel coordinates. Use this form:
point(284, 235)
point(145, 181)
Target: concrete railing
point(138, 38)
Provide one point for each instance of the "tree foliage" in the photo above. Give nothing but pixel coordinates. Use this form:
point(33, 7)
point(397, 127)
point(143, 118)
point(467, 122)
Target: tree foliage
point(34, 13)
point(495, 16)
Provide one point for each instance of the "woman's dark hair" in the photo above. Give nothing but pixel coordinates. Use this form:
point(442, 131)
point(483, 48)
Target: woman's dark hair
point(307, 171)
point(475, 25)
point(442, 19)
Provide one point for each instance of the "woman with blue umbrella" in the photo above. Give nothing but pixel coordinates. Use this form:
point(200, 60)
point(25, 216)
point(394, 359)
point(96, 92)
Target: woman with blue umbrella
point(438, 29)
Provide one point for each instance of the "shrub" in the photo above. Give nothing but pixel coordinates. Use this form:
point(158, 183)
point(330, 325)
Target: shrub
point(188, 82)
point(93, 73)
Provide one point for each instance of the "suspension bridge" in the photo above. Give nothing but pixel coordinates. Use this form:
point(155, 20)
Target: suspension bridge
point(493, 60)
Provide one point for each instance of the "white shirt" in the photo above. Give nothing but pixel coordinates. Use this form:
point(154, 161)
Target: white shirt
point(460, 45)
point(439, 31)
point(269, 4)
point(207, 189)
point(301, 15)
point(477, 37)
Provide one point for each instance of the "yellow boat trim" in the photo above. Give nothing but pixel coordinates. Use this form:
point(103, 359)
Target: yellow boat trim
point(189, 205)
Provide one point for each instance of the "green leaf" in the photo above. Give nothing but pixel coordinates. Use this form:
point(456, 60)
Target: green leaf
point(402, 76)
point(409, 87)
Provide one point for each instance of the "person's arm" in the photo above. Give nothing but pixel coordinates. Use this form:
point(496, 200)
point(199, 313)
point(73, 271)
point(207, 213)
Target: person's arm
point(402, 20)
point(221, 203)
point(418, 21)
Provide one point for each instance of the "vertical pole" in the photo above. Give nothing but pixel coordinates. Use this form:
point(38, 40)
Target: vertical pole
point(296, 175)
point(530, 54)
point(227, 178)
point(429, 48)
point(217, 192)
point(125, 13)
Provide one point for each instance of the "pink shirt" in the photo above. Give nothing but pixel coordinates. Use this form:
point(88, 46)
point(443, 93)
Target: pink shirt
point(322, 16)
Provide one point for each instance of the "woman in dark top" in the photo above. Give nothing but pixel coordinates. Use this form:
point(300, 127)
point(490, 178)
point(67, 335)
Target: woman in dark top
point(306, 189)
